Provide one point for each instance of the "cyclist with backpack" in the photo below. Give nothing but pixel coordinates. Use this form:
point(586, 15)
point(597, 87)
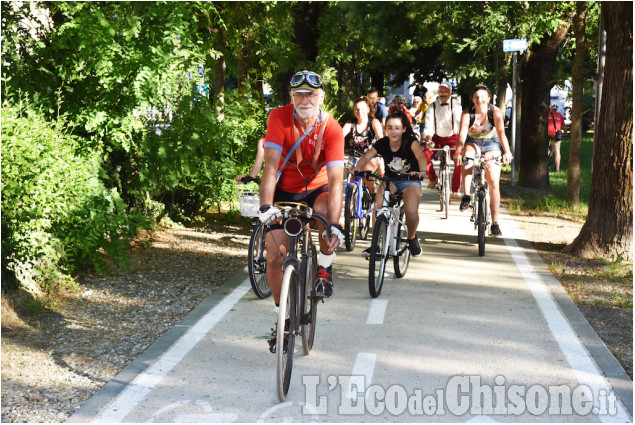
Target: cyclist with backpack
point(304, 162)
point(482, 131)
point(556, 129)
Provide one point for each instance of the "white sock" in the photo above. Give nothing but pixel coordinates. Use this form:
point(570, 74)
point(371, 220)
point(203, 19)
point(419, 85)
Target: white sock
point(325, 260)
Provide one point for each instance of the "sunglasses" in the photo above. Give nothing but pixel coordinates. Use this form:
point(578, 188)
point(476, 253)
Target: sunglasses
point(308, 77)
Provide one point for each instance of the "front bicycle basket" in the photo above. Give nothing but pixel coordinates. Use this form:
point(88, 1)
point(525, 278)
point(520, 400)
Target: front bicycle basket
point(249, 200)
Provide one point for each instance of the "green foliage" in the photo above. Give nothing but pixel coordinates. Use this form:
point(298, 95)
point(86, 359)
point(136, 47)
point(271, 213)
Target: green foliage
point(190, 165)
point(56, 213)
point(120, 73)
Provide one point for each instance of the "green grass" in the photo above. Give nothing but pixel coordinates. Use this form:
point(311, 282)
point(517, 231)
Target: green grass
point(558, 180)
point(554, 202)
point(617, 270)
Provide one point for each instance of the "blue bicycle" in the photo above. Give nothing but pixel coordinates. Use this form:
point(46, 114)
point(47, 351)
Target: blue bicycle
point(358, 210)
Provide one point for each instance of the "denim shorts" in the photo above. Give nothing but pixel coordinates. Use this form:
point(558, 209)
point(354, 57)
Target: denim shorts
point(401, 185)
point(486, 145)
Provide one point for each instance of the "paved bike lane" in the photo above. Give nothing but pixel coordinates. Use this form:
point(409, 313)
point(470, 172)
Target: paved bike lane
point(461, 338)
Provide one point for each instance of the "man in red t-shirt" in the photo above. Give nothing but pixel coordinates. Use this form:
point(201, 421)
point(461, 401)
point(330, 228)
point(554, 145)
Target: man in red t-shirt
point(313, 174)
point(400, 105)
point(555, 123)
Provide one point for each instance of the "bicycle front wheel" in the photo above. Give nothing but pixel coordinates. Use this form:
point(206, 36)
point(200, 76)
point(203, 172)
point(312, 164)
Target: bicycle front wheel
point(350, 216)
point(402, 259)
point(364, 222)
point(482, 223)
point(309, 314)
point(378, 256)
point(287, 324)
point(257, 263)
point(445, 192)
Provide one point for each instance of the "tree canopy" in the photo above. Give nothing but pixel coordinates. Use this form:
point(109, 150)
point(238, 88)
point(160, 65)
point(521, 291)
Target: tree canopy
point(167, 97)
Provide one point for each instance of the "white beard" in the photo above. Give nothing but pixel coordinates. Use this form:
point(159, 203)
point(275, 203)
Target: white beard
point(306, 113)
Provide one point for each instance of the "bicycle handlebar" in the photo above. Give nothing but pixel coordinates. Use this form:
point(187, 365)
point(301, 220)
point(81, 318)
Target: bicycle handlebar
point(300, 211)
point(370, 175)
point(497, 159)
point(446, 148)
point(249, 179)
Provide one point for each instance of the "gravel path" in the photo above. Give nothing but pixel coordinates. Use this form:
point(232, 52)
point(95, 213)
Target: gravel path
point(47, 374)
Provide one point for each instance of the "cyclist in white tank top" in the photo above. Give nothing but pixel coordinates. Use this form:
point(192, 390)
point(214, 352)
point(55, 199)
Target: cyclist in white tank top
point(478, 135)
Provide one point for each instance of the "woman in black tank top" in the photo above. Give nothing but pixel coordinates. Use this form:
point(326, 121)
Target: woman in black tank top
point(362, 134)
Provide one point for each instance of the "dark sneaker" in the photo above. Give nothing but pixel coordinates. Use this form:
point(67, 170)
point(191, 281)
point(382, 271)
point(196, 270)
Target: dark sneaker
point(465, 203)
point(274, 338)
point(366, 253)
point(323, 282)
point(496, 230)
point(415, 248)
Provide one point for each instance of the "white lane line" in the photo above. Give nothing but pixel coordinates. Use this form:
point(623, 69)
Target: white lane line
point(364, 367)
point(144, 383)
point(581, 363)
point(377, 311)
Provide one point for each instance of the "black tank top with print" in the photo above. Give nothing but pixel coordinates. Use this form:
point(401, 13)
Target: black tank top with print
point(364, 140)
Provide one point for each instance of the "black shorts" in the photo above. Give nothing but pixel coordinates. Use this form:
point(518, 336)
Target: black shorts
point(309, 197)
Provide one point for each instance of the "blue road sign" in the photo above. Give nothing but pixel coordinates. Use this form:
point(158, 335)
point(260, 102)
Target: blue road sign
point(514, 45)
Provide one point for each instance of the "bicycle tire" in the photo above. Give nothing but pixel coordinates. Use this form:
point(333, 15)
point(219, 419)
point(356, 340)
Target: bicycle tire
point(446, 192)
point(440, 190)
point(310, 304)
point(551, 161)
point(288, 309)
point(257, 264)
point(350, 216)
point(377, 265)
point(364, 222)
point(402, 259)
point(482, 223)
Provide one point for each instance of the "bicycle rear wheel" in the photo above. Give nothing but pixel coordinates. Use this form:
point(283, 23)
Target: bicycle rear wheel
point(402, 259)
point(378, 256)
point(482, 223)
point(257, 263)
point(287, 317)
point(350, 216)
point(551, 161)
point(309, 314)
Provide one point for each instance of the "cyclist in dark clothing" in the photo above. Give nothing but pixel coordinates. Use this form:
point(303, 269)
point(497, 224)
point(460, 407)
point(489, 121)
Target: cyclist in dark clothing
point(402, 154)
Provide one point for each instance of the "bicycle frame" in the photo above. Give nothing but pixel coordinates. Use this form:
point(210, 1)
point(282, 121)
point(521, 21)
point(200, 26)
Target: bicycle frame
point(293, 317)
point(443, 180)
point(480, 187)
point(359, 212)
point(391, 209)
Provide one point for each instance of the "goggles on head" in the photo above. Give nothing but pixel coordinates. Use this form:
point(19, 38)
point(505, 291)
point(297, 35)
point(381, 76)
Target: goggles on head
point(306, 77)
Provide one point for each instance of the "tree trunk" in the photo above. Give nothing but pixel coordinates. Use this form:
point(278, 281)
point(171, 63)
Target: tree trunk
point(535, 79)
point(608, 230)
point(377, 81)
point(306, 30)
point(575, 131)
point(219, 78)
point(305, 34)
point(501, 81)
